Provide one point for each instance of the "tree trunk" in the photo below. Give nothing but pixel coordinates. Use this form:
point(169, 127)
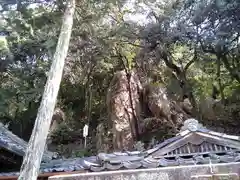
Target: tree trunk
point(234, 72)
point(221, 88)
point(36, 146)
point(181, 76)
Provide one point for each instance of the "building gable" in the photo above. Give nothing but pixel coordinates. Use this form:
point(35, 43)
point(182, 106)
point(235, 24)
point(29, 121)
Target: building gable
point(198, 142)
point(193, 145)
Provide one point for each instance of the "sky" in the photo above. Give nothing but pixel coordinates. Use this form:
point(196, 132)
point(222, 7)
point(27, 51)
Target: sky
point(140, 18)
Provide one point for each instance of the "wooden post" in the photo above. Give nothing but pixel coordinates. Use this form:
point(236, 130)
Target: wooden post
point(85, 134)
point(36, 145)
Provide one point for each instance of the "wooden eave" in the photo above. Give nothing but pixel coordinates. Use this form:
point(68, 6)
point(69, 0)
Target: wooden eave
point(197, 138)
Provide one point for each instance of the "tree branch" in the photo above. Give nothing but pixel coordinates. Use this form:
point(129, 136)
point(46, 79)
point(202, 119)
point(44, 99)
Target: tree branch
point(191, 62)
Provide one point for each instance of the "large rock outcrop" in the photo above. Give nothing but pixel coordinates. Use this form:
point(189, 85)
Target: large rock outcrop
point(57, 119)
point(170, 112)
point(123, 100)
point(219, 114)
point(210, 108)
point(135, 110)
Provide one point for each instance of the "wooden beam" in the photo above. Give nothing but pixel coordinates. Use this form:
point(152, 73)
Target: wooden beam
point(221, 141)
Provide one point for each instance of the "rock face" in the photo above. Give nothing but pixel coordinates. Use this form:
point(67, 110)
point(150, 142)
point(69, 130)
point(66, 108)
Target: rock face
point(170, 112)
point(219, 115)
point(158, 103)
point(186, 106)
point(128, 102)
point(57, 119)
point(103, 141)
point(212, 109)
point(123, 100)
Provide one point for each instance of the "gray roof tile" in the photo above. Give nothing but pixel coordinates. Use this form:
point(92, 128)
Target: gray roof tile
point(91, 163)
point(13, 143)
point(137, 159)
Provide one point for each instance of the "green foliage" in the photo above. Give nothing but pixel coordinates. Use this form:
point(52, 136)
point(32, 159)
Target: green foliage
point(82, 153)
point(62, 134)
point(174, 34)
point(139, 146)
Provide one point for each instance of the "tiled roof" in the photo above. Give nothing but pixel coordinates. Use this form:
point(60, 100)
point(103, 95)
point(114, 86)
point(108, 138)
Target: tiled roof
point(193, 145)
point(14, 144)
point(92, 164)
point(4, 33)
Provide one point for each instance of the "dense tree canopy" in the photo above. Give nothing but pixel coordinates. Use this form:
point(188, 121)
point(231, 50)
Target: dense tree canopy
point(191, 47)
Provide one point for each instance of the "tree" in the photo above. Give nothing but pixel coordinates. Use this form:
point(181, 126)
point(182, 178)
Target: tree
point(191, 47)
point(36, 146)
